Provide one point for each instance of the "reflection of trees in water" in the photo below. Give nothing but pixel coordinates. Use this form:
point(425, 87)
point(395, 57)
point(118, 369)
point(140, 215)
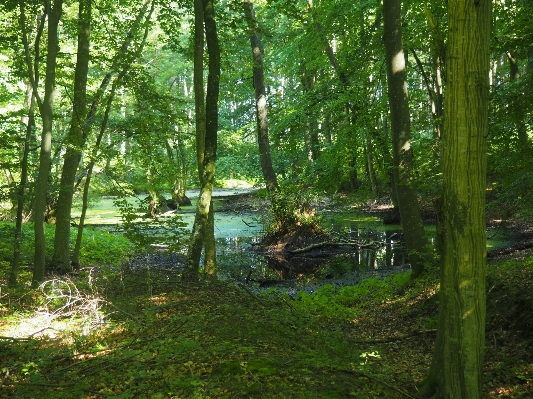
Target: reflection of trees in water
point(356, 260)
point(237, 261)
point(295, 266)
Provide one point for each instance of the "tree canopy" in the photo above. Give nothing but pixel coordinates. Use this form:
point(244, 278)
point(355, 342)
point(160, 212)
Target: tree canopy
point(116, 98)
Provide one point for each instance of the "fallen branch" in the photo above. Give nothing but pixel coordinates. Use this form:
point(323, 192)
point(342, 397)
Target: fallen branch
point(371, 244)
point(251, 294)
point(395, 338)
point(14, 338)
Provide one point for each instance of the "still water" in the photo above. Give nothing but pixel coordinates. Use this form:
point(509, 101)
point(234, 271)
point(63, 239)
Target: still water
point(239, 260)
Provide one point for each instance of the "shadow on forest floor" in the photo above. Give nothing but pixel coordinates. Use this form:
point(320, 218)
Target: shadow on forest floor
point(142, 333)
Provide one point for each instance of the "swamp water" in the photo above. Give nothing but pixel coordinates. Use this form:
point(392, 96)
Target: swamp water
point(238, 233)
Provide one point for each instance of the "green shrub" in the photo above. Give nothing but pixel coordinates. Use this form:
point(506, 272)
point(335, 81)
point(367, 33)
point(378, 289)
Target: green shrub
point(347, 302)
point(98, 246)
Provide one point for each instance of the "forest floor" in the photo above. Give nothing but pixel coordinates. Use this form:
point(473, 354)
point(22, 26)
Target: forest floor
point(145, 334)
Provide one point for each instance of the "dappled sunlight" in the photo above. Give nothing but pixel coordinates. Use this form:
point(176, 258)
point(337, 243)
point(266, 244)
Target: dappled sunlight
point(398, 62)
point(394, 303)
point(161, 299)
point(406, 146)
point(64, 309)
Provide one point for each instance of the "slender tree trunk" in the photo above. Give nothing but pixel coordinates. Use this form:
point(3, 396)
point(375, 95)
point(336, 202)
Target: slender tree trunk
point(74, 141)
point(30, 127)
point(456, 370)
point(260, 99)
point(180, 183)
point(326, 128)
point(413, 228)
point(195, 248)
point(211, 132)
point(341, 74)
point(203, 227)
point(41, 187)
point(516, 116)
point(94, 108)
point(434, 94)
point(311, 124)
point(370, 164)
point(85, 198)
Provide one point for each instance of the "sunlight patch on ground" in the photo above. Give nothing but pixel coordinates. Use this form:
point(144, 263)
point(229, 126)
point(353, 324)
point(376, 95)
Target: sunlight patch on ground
point(39, 325)
point(64, 309)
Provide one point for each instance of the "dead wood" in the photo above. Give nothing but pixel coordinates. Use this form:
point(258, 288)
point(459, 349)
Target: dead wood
point(311, 247)
point(398, 337)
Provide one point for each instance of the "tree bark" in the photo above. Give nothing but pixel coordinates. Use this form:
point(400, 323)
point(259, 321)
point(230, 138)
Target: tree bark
point(411, 220)
point(30, 128)
point(74, 141)
point(456, 370)
point(85, 198)
point(260, 99)
point(203, 227)
point(41, 187)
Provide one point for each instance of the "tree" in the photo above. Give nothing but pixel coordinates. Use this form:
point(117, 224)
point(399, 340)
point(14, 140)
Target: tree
point(411, 220)
point(260, 99)
point(30, 127)
point(46, 106)
point(33, 76)
point(203, 227)
point(75, 141)
point(83, 119)
point(456, 370)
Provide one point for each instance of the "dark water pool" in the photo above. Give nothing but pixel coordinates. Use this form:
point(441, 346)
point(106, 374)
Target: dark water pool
point(238, 261)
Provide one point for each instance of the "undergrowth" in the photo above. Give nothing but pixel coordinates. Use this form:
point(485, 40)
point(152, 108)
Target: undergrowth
point(348, 302)
point(204, 340)
point(111, 332)
point(98, 247)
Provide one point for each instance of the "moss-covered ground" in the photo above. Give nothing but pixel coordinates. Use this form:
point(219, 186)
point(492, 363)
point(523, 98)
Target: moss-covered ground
point(145, 335)
point(111, 332)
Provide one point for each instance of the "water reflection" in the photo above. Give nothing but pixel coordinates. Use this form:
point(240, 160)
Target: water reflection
point(238, 261)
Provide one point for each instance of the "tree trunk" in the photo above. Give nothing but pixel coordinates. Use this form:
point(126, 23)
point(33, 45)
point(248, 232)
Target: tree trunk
point(203, 228)
point(516, 115)
point(41, 187)
point(30, 127)
point(260, 99)
point(370, 164)
point(456, 370)
point(413, 228)
point(85, 199)
point(311, 123)
point(74, 141)
point(94, 107)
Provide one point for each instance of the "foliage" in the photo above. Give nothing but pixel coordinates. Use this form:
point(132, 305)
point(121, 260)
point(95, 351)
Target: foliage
point(291, 209)
point(349, 302)
point(147, 230)
point(98, 246)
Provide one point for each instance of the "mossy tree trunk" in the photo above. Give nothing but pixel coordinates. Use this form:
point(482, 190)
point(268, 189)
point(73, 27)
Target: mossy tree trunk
point(54, 11)
point(456, 370)
point(413, 228)
point(74, 141)
point(203, 227)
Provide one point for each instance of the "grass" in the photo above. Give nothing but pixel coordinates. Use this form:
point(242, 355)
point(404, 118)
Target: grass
point(109, 332)
point(205, 340)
